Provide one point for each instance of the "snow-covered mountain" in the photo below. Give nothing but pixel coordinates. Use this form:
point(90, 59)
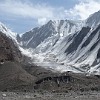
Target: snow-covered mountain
point(7, 31)
point(14, 37)
point(66, 45)
point(41, 41)
point(81, 50)
point(93, 20)
point(77, 50)
point(51, 32)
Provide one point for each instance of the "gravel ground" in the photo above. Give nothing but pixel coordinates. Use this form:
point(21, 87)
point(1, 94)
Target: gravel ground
point(50, 96)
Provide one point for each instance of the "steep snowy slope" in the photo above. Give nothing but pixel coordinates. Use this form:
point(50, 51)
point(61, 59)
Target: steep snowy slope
point(40, 42)
point(7, 31)
point(63, 45)
point(49, 33)
point(14, 37)
point(93, 20)
point(83, 50)
point(78, 52)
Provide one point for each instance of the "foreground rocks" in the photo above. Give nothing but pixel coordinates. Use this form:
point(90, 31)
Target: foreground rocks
point(17, 77)
point(50, 96)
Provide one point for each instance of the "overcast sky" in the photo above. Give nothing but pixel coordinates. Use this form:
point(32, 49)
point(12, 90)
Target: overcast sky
point(23, 15)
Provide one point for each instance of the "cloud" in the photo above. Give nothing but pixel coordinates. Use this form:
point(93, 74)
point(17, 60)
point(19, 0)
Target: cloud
point(42, 21)
point(83, 9)
point(25, 9)
point(20, 9)
point(40, 12)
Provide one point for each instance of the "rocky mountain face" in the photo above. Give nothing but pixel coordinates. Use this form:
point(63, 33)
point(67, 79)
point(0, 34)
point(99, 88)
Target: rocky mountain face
point(73, 44)
point(52, 31)
point(93, 20)
point(11, 72)
point(82, 49)
point(8, 49)
point(7, 32)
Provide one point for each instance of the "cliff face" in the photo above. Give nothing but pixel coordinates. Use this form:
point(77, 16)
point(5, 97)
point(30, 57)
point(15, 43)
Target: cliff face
point(8, 49)
point(12, 74)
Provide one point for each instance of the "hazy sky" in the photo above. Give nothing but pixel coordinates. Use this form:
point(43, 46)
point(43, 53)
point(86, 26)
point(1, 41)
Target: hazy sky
point(23, 15)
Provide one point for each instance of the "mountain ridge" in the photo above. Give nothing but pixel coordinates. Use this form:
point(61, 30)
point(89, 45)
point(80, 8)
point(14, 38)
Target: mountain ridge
point(64, 43)
point(68, 48)
point(62, 61)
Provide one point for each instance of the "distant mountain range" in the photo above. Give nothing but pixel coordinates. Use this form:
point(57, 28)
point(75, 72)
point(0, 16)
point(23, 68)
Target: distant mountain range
point(59, 56)
point(63, 45)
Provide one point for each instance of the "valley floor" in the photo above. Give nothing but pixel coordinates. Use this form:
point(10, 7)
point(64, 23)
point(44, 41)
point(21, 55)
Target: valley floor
point(50, 96)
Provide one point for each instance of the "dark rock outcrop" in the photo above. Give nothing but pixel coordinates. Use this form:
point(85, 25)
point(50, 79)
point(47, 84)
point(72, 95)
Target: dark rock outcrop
point(8, 49)
point(11, 72)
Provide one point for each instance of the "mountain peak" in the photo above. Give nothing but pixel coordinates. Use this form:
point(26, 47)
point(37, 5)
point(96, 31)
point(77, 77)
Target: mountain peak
point(7, 31)
point(93, 20)
point(53, 28)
